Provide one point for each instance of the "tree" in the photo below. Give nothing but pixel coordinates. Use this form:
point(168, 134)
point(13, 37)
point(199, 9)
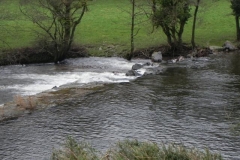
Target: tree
point(235, 5)
point(171, 16)
point(194, 23)
point(58, 19)
point(136, 10)
point(130, 55)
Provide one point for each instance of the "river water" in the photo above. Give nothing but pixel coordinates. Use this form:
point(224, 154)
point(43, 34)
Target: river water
point(195, 103)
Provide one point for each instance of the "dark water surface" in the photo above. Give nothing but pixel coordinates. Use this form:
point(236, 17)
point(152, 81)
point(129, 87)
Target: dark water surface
point(195, 103)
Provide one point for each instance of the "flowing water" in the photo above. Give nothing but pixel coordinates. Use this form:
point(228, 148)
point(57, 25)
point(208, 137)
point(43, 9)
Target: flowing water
point(195, 103)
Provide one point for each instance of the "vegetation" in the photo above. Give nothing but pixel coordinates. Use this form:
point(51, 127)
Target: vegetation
point(74, 151)
point(26, 103)
point(132, 150)
point(196, 4)
point(58, 19)
point(171, 16)
point(235, 5)
point(105, 29)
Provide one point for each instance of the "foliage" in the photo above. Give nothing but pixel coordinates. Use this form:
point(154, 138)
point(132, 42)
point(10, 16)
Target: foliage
point(107, 24)
point(132, 150)
point(58, 20)
point(74, 151)
point(171, 16)
point(235, 5)
point(136, 150)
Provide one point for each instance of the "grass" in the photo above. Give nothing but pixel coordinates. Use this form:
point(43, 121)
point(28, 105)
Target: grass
point(132, 150)
point(26, 103)
point(108, 24)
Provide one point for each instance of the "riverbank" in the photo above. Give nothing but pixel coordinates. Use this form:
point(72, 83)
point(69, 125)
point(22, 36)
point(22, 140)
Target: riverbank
point(31, 55)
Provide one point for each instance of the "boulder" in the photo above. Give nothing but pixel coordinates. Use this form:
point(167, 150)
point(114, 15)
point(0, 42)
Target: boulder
point(132, 73)
point(228, 46)
point(136, 66)
point(157, 57)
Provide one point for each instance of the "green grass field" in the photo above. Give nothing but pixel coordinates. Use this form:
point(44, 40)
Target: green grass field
point(108, 23)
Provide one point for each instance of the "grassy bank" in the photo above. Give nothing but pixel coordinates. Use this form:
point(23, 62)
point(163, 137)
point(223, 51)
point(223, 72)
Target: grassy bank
point(105, 29)
point(132, 150)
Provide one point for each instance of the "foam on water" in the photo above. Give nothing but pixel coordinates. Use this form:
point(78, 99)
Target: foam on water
point(108, 77)
point(105, 70)
point(45, 82)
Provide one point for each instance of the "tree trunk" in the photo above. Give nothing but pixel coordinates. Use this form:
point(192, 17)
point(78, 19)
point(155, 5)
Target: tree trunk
point(166, 30)
point(237, 27)
point(154, 6)
point(194, 25)
point(67, 31)
point(132, 30)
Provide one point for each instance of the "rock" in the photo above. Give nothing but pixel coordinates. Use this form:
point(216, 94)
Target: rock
point(180, 58)
point(228, 46)
point(216, 48)
point(136, 66)
point(157, 57)
point(153, 71)
point(147, 64)
point(172, 61)
point(204, 52)
point(132, 73)
point(193, 53)
point(54, 87)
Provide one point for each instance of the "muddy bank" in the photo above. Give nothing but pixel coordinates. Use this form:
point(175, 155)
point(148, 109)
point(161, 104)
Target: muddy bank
point(22, 105)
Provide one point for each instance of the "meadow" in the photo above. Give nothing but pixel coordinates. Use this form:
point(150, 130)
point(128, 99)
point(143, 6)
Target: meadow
point(106, 26)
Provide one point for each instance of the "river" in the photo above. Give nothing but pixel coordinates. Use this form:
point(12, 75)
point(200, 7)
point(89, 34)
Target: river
point(195, 103)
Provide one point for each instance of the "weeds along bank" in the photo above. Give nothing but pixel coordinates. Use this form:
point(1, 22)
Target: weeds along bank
point(105, 28)
point(132, 150)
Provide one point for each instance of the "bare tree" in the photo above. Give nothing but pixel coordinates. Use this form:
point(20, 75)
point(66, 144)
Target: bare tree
point(58, 20)
point(196, 4)
point(137, 9)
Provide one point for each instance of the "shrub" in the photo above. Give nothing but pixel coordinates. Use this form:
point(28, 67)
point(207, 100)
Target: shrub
point(135, 150)
point(28, 102)
point(132, 150)
point(74, 151)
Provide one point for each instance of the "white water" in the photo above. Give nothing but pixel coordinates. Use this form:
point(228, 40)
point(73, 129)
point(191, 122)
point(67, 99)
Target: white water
point(33, 79)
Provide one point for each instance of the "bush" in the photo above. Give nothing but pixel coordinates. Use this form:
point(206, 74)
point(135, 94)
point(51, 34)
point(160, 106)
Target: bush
point(132, 150)
point(135, 150)
point(74, 151)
